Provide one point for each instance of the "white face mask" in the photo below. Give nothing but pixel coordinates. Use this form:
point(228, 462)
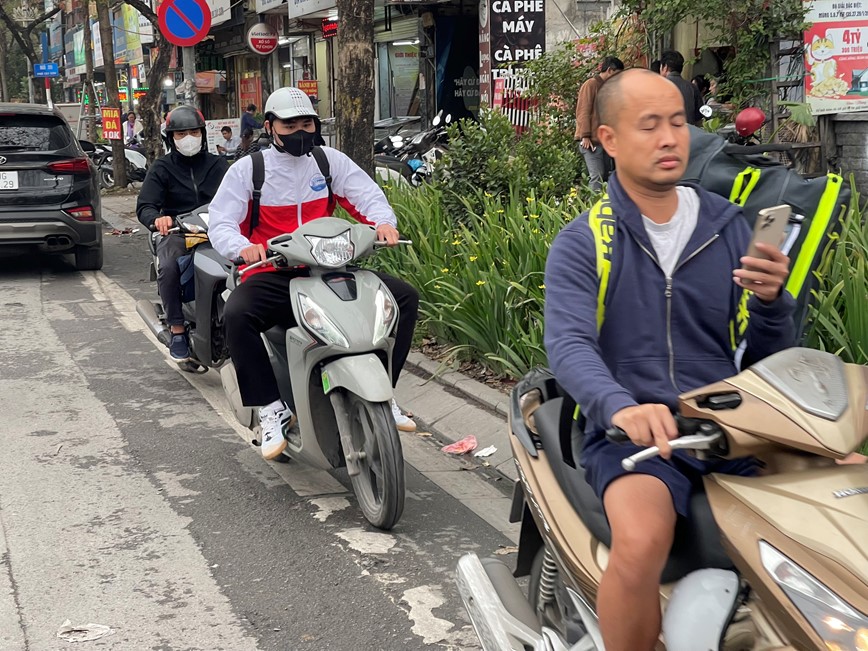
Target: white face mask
point(189, 145)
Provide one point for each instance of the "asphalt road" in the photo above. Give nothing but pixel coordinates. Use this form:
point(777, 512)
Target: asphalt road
point(129, 499)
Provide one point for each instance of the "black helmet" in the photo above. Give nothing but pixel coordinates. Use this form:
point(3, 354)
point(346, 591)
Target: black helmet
point(183, 118)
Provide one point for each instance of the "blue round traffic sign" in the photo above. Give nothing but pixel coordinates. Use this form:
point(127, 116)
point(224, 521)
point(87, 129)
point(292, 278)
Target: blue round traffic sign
point(184, 22)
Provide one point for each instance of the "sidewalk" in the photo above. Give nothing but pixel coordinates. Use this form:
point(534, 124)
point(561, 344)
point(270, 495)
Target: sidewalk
point(446, 404)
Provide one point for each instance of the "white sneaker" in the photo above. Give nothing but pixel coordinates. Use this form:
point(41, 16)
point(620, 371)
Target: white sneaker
point(273, 422)
point(404, 423)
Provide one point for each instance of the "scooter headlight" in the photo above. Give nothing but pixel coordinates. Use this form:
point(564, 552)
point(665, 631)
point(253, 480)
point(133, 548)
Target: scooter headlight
point(384, 317)
point(838, 624)
point(332, 252)
point(316, 320)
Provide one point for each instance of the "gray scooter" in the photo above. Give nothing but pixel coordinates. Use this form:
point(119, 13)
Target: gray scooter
point(203, 306)
point(333, 368)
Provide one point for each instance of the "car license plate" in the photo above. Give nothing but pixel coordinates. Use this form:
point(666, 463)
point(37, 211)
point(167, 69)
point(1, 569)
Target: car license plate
point(8, 180)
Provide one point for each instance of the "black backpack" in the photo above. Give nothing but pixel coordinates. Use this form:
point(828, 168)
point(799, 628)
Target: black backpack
point(322, 162)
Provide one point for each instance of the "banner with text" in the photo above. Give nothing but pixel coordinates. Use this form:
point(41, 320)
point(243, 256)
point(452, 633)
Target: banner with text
point(836, 56)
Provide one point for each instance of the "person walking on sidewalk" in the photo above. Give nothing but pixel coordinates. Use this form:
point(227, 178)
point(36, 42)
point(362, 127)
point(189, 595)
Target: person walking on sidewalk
point(671, 66)
point(681, 265)
point(182, 180)
point(294, 191)
point(587, 122)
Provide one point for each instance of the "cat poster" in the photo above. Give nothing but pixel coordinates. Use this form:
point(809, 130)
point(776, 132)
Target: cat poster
point(836, 56)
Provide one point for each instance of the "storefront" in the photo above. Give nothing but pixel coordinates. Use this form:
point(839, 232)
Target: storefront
point(398, 80)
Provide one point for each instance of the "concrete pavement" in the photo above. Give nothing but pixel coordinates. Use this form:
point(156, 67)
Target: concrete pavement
point(445, 403)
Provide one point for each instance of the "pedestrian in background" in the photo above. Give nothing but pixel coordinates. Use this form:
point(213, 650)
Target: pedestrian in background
point(587, 122)
point(248, 119)
point(671, 66)
point(248, 144)
point(655, 66)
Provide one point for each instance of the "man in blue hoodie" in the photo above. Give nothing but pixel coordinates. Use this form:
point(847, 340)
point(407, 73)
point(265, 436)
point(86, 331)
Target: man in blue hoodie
point(673, 313)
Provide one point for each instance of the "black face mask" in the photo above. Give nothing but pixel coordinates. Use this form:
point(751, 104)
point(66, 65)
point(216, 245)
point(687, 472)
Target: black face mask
point(298, 143)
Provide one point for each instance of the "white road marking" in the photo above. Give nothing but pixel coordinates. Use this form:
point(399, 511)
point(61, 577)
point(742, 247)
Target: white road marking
point(368, 542)
point(329, 505)
point(422, 601)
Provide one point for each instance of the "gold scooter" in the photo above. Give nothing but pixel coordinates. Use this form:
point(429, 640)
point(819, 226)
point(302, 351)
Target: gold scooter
point(770, 562)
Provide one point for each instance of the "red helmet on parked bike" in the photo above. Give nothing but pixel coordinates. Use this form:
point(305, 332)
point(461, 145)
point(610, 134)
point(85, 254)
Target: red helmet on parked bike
point(749, 121)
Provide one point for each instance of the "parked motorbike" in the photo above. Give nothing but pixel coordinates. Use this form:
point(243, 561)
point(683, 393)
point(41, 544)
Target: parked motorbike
point(333, 368)
point(398, 158)
point(202, 299)
point(774, 561)
point(136, 163)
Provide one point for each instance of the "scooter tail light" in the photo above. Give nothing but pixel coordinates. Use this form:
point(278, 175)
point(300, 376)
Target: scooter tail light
point(82, 213)
point(71, 166)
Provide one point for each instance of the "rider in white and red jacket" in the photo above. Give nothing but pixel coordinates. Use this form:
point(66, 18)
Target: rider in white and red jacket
point(294, 192)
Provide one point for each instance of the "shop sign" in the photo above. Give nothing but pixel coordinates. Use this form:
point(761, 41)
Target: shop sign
point(264, 5)
point(329, 28)
point(301, 8)
point(309, 86)
point(221, 11)
point(836, 56)
point(262, 38)
point(111, 123)
point(213, 134)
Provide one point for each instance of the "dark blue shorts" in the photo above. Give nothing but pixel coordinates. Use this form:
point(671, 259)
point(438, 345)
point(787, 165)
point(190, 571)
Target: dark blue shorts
point(682, 474)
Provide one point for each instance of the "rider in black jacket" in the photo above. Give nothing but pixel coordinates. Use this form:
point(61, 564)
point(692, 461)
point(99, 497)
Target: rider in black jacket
point(182, 180)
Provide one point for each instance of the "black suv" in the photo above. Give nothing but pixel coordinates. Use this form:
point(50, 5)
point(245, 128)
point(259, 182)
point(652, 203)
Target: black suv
point(49, 192)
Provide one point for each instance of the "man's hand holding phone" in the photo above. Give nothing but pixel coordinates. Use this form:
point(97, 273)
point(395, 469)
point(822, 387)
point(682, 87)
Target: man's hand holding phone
point(765, 268)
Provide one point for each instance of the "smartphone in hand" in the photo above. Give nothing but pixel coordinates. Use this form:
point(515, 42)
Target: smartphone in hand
point(770, 228)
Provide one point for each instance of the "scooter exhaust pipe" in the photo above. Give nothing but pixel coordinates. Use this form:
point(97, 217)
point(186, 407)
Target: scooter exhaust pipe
point(501, 616)
point(148, 311)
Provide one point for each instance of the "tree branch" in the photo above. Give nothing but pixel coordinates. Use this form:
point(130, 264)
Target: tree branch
point(25, 45)
point(38, 21)
point(143, 9)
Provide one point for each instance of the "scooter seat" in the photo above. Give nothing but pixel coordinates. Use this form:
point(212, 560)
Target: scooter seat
point(697, 539)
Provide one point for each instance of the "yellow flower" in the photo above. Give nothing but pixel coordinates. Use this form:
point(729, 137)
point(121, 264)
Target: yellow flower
point(456, 242)
point(529, 199)
point(499, 211)
point(445, 270)
point(535, 230)
point(534, 216)
point(473, 258)
point(543, 286)
point(480, 282)
point(488, 194)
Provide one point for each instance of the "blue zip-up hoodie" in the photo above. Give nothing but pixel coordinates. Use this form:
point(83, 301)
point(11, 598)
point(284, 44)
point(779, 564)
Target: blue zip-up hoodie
point(660, 337)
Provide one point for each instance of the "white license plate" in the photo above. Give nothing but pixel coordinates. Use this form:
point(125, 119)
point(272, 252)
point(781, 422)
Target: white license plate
point(8, 180)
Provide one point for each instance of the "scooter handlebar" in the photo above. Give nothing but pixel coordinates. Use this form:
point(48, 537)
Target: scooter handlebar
point(692, 436)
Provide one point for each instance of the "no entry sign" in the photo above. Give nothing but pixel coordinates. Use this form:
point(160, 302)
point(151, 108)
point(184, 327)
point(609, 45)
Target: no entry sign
point(184, 22)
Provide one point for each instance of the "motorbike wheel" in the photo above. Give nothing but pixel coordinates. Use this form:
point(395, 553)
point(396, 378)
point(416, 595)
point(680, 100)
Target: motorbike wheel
point(379, 487)
point(106, 179)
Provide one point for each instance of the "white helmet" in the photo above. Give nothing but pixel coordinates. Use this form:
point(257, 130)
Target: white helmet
point(287, 103)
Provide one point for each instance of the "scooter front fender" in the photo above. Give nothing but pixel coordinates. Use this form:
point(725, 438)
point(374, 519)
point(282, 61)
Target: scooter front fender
point(364, 375)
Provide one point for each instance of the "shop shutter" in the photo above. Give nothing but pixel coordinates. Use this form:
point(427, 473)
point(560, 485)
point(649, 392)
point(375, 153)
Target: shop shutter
point(404, 30)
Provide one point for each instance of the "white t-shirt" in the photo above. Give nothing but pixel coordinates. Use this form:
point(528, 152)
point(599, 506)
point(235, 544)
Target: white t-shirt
point(669, 239)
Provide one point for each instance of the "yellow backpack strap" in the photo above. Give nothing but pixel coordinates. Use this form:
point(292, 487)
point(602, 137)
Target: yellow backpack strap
point(602, 225)
point(743, 185)
point(819, 226)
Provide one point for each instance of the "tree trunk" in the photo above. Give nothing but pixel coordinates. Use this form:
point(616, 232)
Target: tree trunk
point(90, 107)
point(149, 105)
point(111, 85)
point(355, 85)
point(4, 83)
